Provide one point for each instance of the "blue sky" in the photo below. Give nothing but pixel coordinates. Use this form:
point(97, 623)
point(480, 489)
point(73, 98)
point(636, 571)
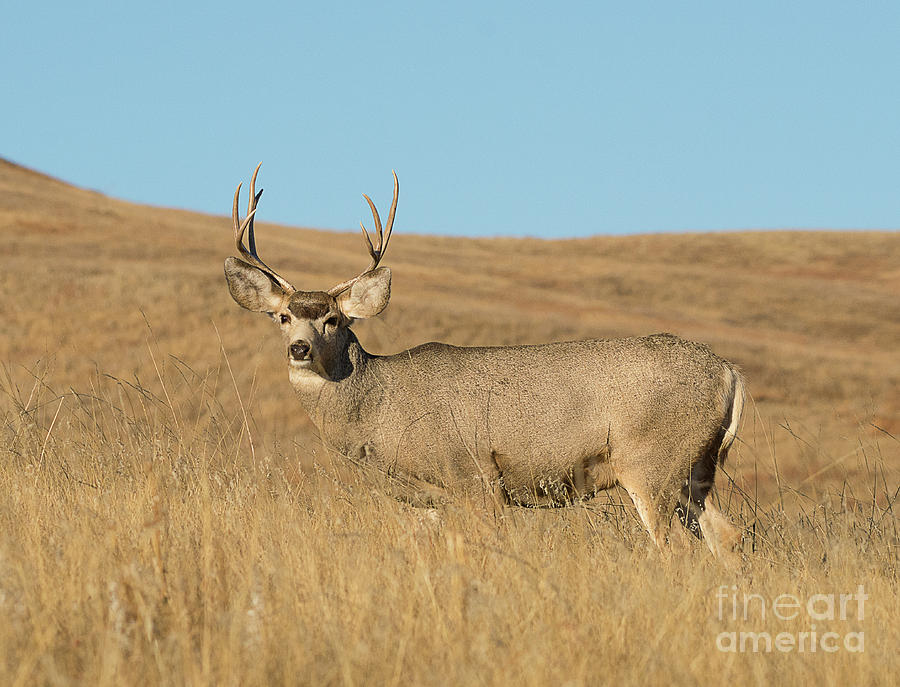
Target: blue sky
point(514, 118)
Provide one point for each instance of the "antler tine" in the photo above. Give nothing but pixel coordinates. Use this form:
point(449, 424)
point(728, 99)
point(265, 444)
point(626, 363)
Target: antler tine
point(376, 251)
point(251, 209)
point(240, 227)
point(391, 212)
point(368, 240)
point(238, 232)
point(251, 236)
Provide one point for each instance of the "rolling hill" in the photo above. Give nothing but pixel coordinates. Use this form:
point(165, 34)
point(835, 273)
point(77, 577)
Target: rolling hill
point(167, 515)
point(92, 285)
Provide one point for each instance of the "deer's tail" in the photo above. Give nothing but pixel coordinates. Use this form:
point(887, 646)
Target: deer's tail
point(734, 391)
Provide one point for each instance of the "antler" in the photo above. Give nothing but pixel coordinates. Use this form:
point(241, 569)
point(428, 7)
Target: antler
point(240, 227)
point(382, 238)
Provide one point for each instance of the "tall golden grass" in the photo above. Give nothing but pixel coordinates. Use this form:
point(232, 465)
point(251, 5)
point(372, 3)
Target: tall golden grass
point(168, 517)
point(146, 541)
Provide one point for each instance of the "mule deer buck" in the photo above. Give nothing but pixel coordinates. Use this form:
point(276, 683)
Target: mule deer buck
point(540, 425)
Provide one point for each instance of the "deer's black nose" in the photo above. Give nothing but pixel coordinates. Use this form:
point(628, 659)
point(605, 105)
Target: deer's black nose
point(299, 350)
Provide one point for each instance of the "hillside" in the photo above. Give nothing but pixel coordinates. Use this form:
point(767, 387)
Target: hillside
point(167, 515)
point(91, 285)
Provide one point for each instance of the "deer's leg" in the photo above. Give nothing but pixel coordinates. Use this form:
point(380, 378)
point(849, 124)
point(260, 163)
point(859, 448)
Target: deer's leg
point(491, 497)
point(654, 504)
point(722, 537)
point(596, 475)
point(654, 483)
point(700, 515)
point(693, 495)
point(653, 514)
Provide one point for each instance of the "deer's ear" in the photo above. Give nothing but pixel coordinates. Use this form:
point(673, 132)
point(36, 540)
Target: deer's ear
point(368, 296)
point(252, 288)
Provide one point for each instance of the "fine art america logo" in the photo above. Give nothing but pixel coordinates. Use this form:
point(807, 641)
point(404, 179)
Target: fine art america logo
point(786, 612)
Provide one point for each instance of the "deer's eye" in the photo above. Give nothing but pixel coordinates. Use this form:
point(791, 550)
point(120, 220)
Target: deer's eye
point(332, 321)
point(285, 319)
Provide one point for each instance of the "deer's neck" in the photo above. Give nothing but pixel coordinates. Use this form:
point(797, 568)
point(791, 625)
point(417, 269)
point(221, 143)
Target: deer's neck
point(334, 403)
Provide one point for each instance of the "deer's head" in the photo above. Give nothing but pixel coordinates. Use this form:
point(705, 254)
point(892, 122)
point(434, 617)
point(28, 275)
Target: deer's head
point(314, 324)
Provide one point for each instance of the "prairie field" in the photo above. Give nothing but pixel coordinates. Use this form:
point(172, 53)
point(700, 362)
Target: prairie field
point(168, 515)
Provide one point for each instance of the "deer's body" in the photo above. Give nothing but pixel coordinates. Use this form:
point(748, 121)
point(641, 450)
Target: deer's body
point(547, 423)
point(519, 425)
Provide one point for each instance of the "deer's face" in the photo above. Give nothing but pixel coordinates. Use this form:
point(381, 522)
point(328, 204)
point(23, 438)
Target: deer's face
point(313, 324)
point(314, 330)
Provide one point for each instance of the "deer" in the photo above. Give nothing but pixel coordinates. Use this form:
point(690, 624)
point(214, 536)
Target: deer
point(527, 425)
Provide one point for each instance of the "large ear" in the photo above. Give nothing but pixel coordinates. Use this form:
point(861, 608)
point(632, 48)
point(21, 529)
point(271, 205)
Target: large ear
point(368, 296)
point(252, 288)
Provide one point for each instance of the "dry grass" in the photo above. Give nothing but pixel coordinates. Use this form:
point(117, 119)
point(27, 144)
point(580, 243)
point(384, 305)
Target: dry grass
point(162, 521)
